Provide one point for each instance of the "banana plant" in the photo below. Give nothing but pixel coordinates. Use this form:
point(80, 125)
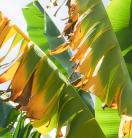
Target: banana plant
point(40, 89)
point(37, 82)
point(109, 130)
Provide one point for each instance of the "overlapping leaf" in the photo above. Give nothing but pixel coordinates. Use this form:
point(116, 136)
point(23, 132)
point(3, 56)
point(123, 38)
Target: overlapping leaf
point(98, 54)
point(45, 94)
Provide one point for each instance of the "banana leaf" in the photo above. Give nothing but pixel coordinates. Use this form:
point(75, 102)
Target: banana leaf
point(98, 54)
point(120, 15)
point(108, 119)
point(122, 26)
point(46, 95)
point(52, 37)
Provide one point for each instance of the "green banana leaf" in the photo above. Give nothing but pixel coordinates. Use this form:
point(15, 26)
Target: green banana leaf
point(110, 133)
point(108, 119)
point(120, 14)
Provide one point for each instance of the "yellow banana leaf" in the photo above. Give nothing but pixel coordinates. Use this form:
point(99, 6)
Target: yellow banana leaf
point(10, 37)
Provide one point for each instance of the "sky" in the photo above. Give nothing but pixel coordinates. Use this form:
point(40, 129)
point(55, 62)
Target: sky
point(12, 9)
